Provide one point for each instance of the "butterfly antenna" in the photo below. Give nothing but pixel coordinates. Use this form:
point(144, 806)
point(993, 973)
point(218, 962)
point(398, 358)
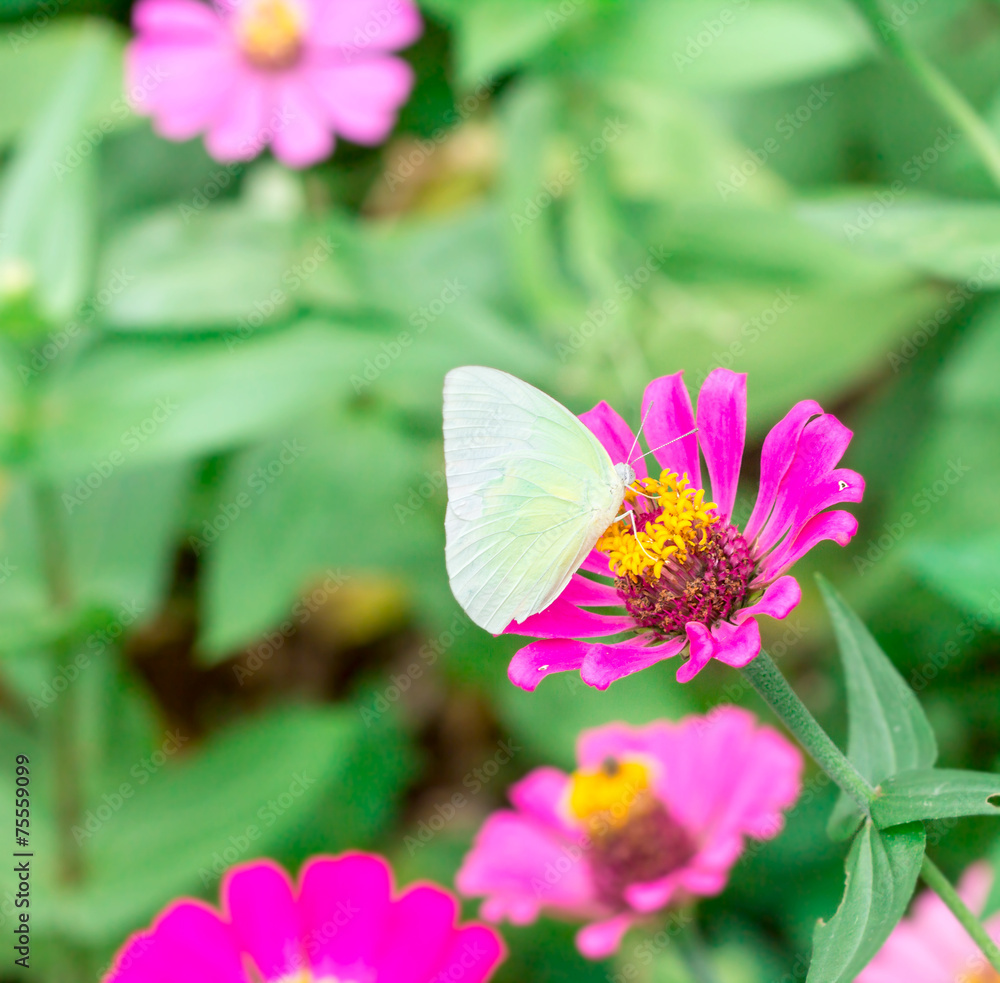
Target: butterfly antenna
point(642, 423)
point(675, 439)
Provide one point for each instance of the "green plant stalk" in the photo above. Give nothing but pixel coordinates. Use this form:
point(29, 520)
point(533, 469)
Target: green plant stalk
point(939, 89)
point(764, 676)
point(934, 879)
point(767, 680)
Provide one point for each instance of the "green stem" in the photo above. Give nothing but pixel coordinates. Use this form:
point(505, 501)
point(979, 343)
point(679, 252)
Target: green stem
point(939, 89)
point(942, 887)
point(773, 688)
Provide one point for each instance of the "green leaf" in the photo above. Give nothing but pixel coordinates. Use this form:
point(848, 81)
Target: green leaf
point(130, 402)
point(936, 793)
point(882, 869)
point(887, 729)
point(335, 494)
point(953, 240)
point(46, 198)
point(169, 826)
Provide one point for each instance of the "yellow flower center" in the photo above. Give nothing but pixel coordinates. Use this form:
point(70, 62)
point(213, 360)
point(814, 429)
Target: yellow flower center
point(683, 523)
point(270, 33)
point(609, 792)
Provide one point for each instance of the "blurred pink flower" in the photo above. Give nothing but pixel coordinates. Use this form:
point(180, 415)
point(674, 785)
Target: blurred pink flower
point(696, 582)
point(289, 73)
point(930, 946)
point(653, 816)
point(342, 922)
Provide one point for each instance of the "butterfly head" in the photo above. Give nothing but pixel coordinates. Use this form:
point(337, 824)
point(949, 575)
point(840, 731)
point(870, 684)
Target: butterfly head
point(626, 472)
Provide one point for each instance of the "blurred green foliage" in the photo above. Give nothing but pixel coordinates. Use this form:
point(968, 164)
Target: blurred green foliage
point(221, 526)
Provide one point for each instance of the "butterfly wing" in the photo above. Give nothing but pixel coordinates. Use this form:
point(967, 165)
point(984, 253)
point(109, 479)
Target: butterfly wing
point(530, 490)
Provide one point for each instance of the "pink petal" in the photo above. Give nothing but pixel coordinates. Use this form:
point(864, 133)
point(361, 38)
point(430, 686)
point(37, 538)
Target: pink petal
point(775, 459)
point(521, 866)
point(417, 935)
point(734, 645)
point(671, 415)
point(602, 939)
point(183, 20)
point(722, 425)
point(563, 619)
point(597, 562)
point(472, 955)
point(838, 526)
point(137, 962)
point(246, 126)
point(362, 27)
point(258, 900)
point(539, 659)
point(183, 85)
point(615, 436)
point(343, 905)
point(540, 794)
point(621, 740)
point(655, 894)
point(604, 664)
point(303, 137)
point(193, 944)
point(778, 601)
point(361, 101)
point(822, 444)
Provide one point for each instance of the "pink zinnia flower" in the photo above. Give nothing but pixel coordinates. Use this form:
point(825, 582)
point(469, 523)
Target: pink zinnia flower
point(653, 816)
point(342, 924)
point(930, 946)
point(693, 580)
point(289, 73)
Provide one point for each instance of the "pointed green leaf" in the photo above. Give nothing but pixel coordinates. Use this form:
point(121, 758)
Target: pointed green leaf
point(936, 793)
point(887, 731)
point(882, 870)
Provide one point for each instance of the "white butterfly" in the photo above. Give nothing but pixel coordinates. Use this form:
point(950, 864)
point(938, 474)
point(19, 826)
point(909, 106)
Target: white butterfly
point(530, 491)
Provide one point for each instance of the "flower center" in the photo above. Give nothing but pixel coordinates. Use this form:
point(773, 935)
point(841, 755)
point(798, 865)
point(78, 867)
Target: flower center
point(685, 564)
point(270, 33)
point(634, 839)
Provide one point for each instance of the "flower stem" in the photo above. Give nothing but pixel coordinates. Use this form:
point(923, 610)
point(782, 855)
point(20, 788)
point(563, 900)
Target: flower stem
point(773, 688)
point(942, 887)
point(938, 88)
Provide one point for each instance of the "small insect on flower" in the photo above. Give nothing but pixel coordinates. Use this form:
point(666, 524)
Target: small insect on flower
point(614, 569)
point(652, 817)
point(342, 923)
point(284, 73)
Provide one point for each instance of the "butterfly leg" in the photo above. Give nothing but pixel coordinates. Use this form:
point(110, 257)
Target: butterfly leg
point(635, 532)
